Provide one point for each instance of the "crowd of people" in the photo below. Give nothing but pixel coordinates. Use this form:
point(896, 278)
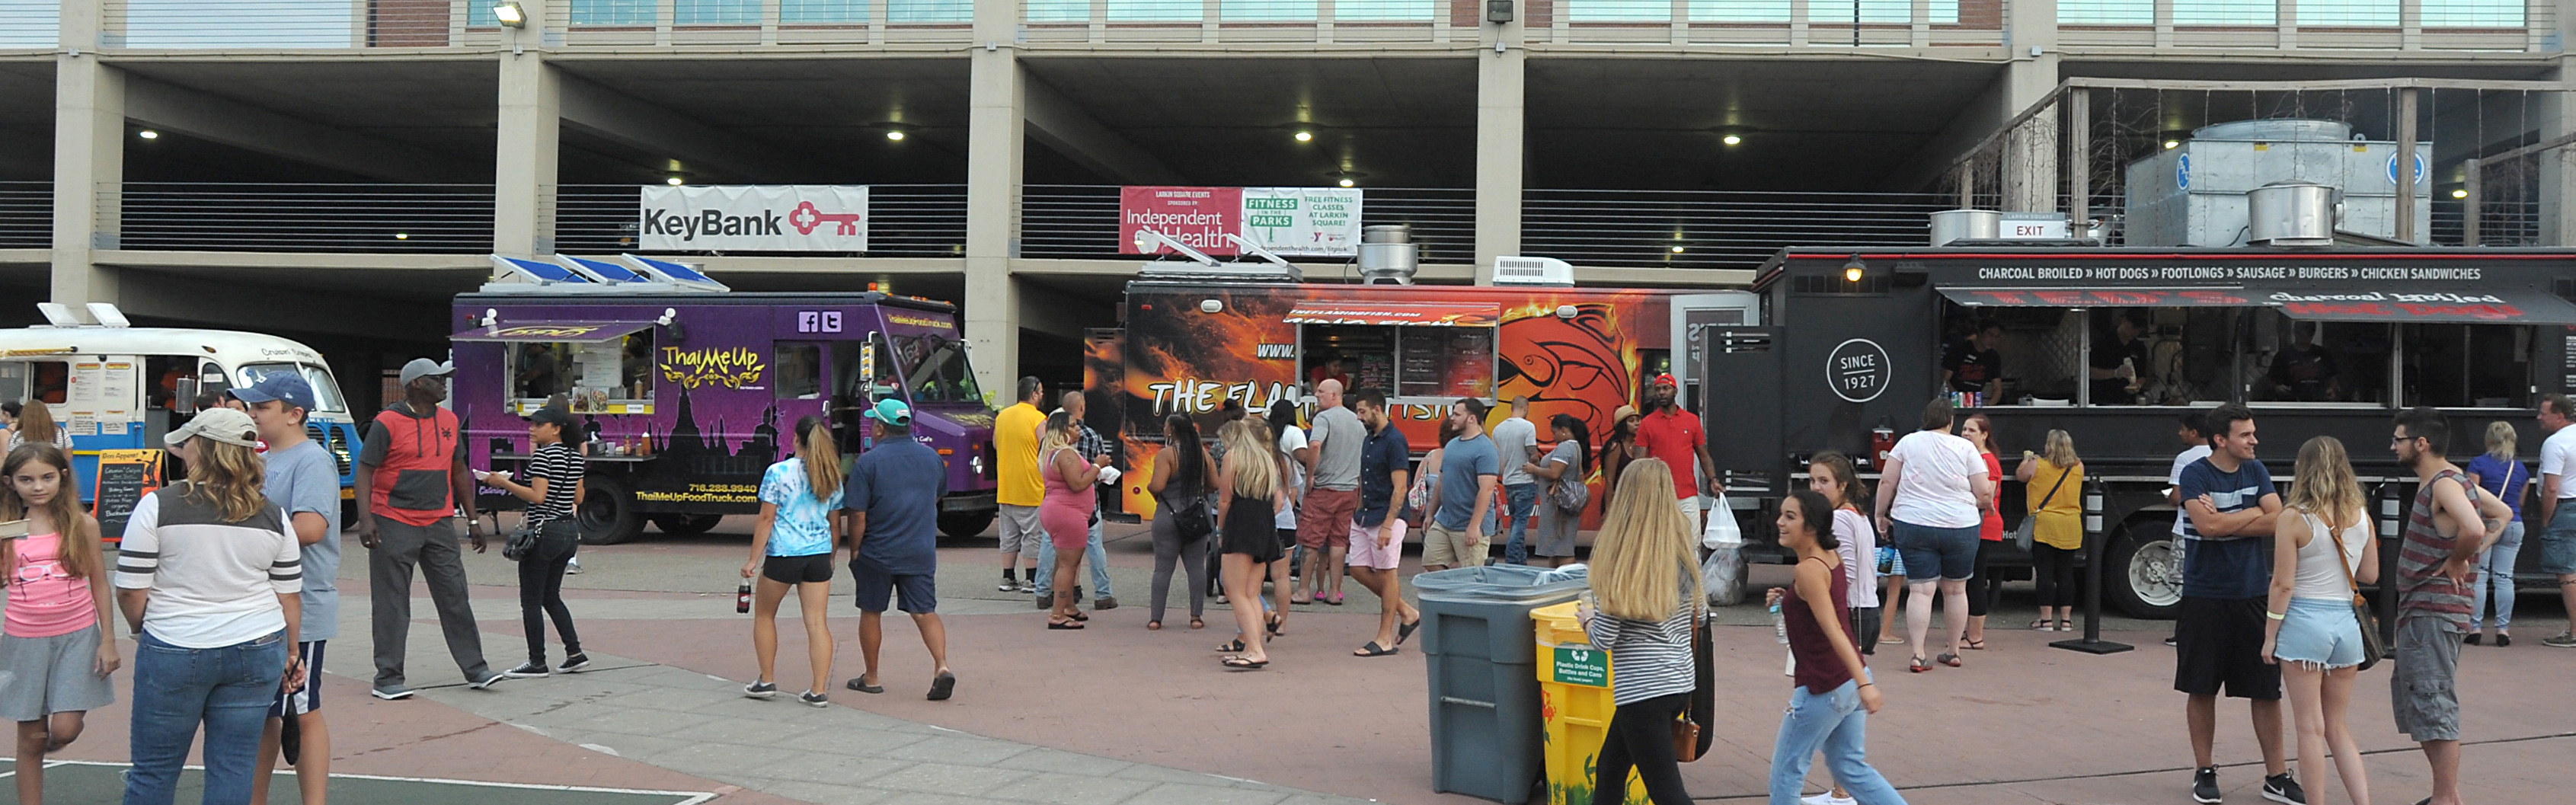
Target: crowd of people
point(225, 577)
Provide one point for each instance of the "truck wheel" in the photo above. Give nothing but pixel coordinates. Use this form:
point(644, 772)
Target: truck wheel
point(965, 524)
point(608, 514)
point(2142, 575)
point(686, 525)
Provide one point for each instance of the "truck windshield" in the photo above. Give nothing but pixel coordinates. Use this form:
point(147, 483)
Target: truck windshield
point(935, 369)
point(326, 393)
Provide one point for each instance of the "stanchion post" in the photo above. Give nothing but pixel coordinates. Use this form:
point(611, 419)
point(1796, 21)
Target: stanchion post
point(2094, 539)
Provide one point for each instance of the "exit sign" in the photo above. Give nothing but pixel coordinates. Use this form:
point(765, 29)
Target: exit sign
point(2032, 226)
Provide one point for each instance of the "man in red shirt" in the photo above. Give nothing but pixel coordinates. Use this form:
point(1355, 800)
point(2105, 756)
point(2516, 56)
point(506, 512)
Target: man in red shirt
point(1673, 435)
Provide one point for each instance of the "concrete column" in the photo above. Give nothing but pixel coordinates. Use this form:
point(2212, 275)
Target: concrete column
point(530, 131)
point(1501, 108)
point(995, 144)
point(89, 157)
point(2031, 151)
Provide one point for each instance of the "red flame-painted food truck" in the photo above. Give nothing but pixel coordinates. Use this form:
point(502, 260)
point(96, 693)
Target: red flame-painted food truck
point(690, 391)
point(2112, 345)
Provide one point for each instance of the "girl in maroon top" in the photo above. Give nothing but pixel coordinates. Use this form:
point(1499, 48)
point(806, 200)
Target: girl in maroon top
point(1829, 710)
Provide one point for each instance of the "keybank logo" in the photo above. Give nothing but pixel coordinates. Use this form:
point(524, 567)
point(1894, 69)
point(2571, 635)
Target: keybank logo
point(712, 223)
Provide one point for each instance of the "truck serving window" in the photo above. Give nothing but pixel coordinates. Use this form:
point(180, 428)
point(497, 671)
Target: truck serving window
point(800, 371)
point(2467, 365)
point(607, 376)
point(936, 369)
point(1430, 362)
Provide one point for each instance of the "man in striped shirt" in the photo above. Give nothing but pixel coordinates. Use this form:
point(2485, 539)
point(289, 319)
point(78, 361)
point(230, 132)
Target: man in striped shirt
point(2450, 523)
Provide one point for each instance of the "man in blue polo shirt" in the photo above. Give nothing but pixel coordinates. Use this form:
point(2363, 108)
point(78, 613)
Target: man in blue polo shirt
point(892, 499)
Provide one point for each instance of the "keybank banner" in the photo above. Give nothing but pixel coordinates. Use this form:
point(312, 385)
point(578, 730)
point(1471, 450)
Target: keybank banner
point(1288, 221)
point(755, 218)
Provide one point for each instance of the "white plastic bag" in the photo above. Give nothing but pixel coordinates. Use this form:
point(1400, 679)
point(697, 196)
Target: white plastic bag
point(1722, 530)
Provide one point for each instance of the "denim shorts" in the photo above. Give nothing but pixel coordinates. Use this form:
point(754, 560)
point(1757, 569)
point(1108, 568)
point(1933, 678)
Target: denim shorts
point(1947, 553)
point(2558, 542)
point(2320, 634)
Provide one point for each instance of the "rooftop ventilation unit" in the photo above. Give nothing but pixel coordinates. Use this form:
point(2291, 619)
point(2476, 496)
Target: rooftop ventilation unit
point(1387, 254)
point(1538, 271)
point(2292, 214)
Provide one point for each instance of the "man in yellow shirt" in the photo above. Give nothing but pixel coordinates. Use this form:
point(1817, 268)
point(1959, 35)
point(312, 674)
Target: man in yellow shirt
point(1015, 448)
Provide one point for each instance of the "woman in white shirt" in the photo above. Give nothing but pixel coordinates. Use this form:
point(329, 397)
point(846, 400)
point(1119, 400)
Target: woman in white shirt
point(2321, 555)
point(1931, 504)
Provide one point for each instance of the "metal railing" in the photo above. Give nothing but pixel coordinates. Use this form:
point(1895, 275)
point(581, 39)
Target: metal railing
point(1820, 23)
point(2509, 25)
point(765, 22)
point(1249, 20)
point(1081, 221)
point(299, 217)
point(26, 215)
point(920, 220)
point(1714, 228)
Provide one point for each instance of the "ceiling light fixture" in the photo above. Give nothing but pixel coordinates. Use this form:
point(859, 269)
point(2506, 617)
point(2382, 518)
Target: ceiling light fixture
point(1677, 250)
point(1852, 270)
point(1734, 139)
point(1305, 136)
point(148, 134)
point(510, 15)
point(1348, 183)
point(402, 236)
point(2173, 143)
point(675, 181)
point(2463, 193)
point(896, 136)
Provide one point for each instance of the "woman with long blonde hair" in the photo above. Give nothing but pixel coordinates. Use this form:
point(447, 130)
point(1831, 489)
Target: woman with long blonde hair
point(2321, 554)
point(34, 424)
point(1066, 510)
point(1253, 493)
point(1645, 596)
point(2502, 474)
point(2053, 484)
point(208, 577)
point(791, 548)
point(58, 646)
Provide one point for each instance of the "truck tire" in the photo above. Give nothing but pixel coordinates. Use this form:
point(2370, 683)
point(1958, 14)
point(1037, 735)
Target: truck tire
point(965, 524)
point(686, 525)
point(608, 514)
point(2139, 574)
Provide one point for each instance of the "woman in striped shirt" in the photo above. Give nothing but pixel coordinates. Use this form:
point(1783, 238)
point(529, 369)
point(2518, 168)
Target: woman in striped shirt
point(1645, 591)
point(553, 491)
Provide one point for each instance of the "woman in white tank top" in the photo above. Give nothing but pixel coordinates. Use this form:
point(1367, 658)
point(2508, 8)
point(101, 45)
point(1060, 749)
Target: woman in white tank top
point(2321, 554)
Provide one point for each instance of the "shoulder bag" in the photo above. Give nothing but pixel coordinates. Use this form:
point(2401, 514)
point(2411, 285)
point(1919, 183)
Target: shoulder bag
point(1688, 741)
point(2028, 530)
point(1570, 493)
point(2372, 647)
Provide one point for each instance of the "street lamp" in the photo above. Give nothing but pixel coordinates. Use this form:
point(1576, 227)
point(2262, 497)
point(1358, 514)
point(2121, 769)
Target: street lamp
point(510, 14)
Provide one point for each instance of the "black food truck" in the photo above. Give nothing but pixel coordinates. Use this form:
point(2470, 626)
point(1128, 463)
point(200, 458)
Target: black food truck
point(2113, 345)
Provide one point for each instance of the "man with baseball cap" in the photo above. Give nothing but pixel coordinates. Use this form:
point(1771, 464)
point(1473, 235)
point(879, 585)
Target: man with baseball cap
point(1673, 435)
point(411, 480)
point(303, 479)
point(892, 500)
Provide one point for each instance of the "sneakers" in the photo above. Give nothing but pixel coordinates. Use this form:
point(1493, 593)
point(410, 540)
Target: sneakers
point(1826, 798)
point(1010, 584)
point(487, 682)
point(2563, 640)
point(813, 699)
point(572, 567)
point(760, 690)
point(2169, 641)
point(574, 664)
point(1104, 602)
point(2204, 786)
point(391, 693)
point(528, 670)
point(2283, 789)
point(1045, 601)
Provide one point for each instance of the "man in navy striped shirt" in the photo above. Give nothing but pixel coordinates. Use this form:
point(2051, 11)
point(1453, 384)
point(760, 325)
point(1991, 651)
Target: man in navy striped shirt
point(2230, 504)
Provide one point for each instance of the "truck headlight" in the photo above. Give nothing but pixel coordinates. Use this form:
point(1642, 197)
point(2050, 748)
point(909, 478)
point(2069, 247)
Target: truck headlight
point(975, 464)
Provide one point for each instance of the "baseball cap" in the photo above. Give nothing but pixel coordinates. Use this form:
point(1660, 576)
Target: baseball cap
point(423, 367)
point(288, 386)
point(220, 424)
point(892, 412)
point(558, 416)
point(1667, 380)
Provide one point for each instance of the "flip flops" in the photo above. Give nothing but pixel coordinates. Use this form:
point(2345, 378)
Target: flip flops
point(942, 687)
point(1064, 625)
point(1404, 632)
point(1241, 664)
point(1373, 650)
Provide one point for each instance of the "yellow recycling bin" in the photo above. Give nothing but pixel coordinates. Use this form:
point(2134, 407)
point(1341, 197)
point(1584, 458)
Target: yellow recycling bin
point(1574, 702)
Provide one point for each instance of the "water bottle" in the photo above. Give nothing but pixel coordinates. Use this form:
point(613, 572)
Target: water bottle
point(1779, 624)
point(742, 600)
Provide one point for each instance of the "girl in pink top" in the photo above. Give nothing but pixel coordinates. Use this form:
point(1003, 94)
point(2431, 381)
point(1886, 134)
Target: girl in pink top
point(53, 647)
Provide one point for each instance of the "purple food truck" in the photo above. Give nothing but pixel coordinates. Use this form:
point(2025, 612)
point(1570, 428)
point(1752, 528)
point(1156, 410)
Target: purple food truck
point(689, 391)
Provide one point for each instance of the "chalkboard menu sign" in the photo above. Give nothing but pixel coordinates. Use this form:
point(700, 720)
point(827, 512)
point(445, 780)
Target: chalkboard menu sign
point(124, 477)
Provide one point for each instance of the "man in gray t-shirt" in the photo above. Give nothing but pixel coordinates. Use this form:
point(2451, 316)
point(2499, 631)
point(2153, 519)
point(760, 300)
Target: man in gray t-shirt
point(1334, 443)
point(303, 479)
point(1516, 440)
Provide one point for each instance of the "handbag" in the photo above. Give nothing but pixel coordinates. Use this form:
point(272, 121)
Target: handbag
point(1570, 494)
point(1191, 518)
point(1687, 744)
point(523, 540)
point(2028, 530)
point(2372, 647)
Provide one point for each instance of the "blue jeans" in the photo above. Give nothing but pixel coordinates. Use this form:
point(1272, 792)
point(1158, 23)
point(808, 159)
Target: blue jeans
point(2495, 569)
point(1520, 501)
point(1091, 555)
point(227, 689)
point(1835, 723)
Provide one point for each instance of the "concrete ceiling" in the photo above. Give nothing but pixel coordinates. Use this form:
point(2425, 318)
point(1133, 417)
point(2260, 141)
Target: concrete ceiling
point(445, 106)
point(1390, 122)
point(829, 115)
point(26, 120)
point(1806, 125)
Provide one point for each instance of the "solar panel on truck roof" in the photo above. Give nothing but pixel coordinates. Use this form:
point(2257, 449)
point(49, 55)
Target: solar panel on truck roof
point(535, 270)
point(602, 270)
point(675, 271)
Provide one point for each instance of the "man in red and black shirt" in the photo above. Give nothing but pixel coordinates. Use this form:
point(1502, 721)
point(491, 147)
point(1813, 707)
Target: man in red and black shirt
point(411, 479)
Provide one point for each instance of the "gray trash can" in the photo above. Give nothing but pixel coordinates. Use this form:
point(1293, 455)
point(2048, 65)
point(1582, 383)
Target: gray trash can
point(1481, 655)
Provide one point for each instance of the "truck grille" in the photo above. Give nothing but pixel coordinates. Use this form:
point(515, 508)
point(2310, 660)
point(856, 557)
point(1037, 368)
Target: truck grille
point(331, 441)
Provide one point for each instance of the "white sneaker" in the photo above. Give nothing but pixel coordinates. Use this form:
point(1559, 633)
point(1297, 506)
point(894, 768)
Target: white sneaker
point(1827, 798)
point(572, 567)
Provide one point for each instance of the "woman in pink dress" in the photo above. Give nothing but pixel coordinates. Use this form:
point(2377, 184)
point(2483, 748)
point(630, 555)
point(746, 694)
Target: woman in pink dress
point(1066, 511)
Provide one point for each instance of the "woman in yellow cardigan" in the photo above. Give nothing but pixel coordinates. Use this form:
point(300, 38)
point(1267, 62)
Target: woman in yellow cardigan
point(2053, 486)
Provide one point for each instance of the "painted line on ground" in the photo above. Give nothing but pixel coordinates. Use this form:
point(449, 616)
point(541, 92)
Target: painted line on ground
point(694, 797)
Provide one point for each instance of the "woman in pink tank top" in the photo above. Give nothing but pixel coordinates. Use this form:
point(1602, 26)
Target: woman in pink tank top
point(53, 645)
